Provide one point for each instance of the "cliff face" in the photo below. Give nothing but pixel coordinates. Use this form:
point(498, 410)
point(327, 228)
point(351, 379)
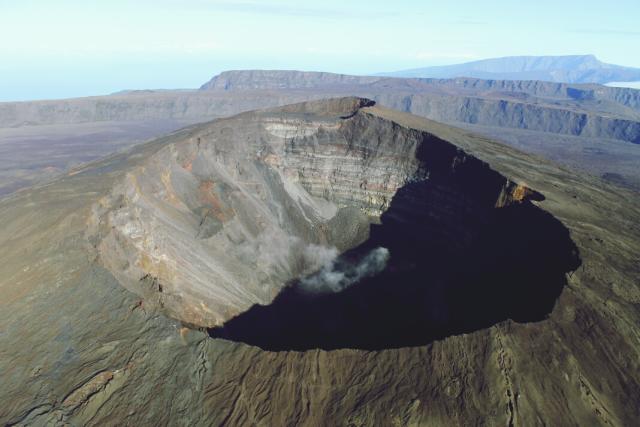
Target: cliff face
point(224, 219)
point(514, 115)
point(542, 89)
point(620, 100)
point(611, 98)
point(279, 79)
point(541, 337)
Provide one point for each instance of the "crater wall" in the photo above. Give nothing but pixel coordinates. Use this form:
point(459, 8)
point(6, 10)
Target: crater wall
point(239, 209)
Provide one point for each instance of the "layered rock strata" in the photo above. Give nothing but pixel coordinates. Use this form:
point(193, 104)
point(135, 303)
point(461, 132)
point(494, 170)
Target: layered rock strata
point(227, 216)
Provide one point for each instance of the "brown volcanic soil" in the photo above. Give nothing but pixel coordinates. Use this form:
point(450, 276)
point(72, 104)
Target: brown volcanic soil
point(76, 347)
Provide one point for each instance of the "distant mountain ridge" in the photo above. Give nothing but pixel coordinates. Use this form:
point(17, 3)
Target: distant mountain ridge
point(247, 80)
point(282, 79)
point(606, 119)
point(561, 69)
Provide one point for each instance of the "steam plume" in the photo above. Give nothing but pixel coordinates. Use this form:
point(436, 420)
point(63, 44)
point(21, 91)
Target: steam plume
point(335, 276)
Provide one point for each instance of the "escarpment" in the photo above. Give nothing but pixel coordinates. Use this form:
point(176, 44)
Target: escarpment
point(515, 114)
point(240, 209)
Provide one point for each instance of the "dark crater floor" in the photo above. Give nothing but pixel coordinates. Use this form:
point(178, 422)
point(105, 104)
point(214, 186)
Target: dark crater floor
point(457, 264)
point(515, 269)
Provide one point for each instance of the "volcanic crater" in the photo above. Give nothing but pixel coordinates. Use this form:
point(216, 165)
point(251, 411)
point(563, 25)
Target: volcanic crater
point(329, 225)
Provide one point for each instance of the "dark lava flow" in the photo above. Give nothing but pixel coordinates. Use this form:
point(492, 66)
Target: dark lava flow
point(457, 264)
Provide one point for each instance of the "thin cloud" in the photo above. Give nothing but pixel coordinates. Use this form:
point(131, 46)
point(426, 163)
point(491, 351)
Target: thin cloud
point(272, 8)
point(469, 22)
point(606, 32)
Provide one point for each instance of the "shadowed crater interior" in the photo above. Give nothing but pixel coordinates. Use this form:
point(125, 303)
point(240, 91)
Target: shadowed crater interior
point(458, 260)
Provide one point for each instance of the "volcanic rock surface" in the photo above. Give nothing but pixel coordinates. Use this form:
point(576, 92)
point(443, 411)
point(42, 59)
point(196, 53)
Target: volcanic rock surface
point(331, 262)
point(224, 219)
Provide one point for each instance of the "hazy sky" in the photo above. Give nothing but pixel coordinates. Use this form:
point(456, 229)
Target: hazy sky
point(63, 48)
